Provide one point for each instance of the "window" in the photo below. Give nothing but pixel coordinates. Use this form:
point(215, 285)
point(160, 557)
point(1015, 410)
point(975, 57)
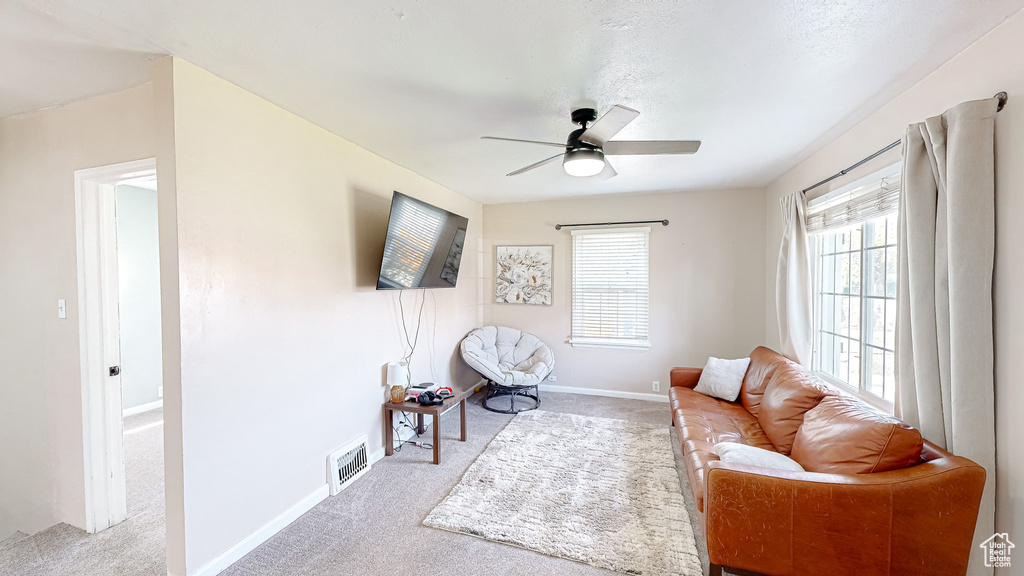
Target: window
point(610, 287)
point(855, 290)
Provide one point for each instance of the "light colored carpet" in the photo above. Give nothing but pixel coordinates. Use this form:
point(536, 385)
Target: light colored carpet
point(374, 527)
point(13, 539)
point(600, 491)
point(133, 547)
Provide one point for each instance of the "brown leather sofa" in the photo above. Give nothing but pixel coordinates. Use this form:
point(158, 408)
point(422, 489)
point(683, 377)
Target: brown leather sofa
point(875, 498)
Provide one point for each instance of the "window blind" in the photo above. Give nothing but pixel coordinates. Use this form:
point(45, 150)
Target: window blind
point(414, 231)
point(610, 295)
point(855, 206)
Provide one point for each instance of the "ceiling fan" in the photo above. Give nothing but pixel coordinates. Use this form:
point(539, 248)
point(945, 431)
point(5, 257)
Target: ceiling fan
point(585, 150)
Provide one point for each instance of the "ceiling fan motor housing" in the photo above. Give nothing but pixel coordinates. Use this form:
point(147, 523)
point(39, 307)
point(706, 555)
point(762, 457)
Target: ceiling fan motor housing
point(582, 116)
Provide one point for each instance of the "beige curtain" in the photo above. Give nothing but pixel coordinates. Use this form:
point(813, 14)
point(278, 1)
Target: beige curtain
point(944, 351)
point(793, 283)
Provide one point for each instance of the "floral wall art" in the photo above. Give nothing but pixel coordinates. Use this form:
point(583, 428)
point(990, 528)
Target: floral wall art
point(523, 275)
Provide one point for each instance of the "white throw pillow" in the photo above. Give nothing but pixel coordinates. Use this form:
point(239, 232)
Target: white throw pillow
point(754, 456)
point(723, 378)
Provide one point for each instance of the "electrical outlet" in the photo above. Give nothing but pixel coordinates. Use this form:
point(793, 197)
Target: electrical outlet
point(656, 386)
point(552, 378)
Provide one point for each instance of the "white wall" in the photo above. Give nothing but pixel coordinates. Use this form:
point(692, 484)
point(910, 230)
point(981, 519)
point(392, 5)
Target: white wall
point(41, 476)
point(706, 294)
point(993, 63)
point(138, 271)
point(277, 228)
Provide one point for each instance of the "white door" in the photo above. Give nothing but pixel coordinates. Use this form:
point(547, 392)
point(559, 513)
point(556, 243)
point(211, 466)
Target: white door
point(104, 481)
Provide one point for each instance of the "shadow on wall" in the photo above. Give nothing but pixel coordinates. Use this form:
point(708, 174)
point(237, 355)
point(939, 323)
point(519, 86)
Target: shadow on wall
point(370, 228)
point(462, 373)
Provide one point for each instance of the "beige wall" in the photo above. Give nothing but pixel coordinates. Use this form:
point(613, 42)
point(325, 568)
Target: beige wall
point(706, 295)
point(994, 63)
point(41, 477)
point(277, 227)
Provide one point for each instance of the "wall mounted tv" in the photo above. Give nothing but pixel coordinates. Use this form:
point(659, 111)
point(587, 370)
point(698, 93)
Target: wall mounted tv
point(423, 248)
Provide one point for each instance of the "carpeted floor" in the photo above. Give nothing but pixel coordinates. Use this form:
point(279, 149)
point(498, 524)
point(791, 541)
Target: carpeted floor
point(617, 506)
point(375, 526)
point(372, 528)
point(133, 547)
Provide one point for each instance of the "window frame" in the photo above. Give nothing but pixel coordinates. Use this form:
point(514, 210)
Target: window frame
point(861, 391)
point(583, 341)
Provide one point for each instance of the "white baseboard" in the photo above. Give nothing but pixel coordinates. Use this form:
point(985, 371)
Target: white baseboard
point(599, 392)
point(142, 408)
point(376, 455)
point(233, 554)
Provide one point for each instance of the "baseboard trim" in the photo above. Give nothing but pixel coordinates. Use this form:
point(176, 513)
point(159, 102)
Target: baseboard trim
point(248, 544)
point(142, 408)
point(376, 455)
point(608, 393)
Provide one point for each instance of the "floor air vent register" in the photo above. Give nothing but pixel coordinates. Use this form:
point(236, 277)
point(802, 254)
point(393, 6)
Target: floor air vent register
point(347, 463)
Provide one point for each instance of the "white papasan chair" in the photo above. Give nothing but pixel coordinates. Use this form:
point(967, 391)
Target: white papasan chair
point(514, 363)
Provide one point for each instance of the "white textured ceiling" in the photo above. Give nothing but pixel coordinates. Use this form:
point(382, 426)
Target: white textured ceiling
point(762, 83)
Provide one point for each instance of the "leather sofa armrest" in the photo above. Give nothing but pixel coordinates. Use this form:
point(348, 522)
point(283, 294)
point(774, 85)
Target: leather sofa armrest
point(917, 520)
point(685, 377)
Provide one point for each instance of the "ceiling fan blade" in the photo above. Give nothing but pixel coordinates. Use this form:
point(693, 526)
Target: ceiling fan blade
point(607, 172)
point(536, 164)
point(646, 147)
point(609, 125)
point(555, 144)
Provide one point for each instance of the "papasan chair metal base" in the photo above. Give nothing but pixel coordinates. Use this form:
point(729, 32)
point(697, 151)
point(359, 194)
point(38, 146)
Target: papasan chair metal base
point(495, 391)
point(513, 362)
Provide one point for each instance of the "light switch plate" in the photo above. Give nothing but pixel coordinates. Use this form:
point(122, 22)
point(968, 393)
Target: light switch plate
point(62, 309)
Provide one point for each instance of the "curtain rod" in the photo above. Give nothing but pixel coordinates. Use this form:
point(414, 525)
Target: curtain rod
point(1001, 96)
point(851, 167)
point(662, 222)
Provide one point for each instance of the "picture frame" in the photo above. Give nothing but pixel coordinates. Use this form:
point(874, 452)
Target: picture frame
point(523, 275)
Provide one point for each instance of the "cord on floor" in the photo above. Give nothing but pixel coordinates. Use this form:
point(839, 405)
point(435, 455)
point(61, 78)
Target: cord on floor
point(404, 422)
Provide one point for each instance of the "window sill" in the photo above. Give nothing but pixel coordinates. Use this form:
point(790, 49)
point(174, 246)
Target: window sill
point(588, 343)
point(880, 404)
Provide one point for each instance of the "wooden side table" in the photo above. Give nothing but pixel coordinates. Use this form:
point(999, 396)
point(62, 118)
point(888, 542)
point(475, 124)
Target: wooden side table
point(459, 396)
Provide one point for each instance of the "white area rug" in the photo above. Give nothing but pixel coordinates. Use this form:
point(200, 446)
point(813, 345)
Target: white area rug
point(596, 490)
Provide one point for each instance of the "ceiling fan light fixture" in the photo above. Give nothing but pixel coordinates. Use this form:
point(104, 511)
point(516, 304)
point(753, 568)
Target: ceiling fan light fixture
point(583, 162)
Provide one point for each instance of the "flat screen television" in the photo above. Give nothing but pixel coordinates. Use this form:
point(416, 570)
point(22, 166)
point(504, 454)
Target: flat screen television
point(423, 248)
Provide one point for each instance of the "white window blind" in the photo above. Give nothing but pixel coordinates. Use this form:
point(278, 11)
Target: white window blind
point(412, 235)
point(858, 205)
point(610, 295)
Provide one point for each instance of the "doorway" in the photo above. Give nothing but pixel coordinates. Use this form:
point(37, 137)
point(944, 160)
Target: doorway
point(138, 282)
point(120, 335)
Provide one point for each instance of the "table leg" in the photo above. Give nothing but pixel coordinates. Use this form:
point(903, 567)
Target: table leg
point(420, 428)
point(389, 440)
point(462, 417)
point(437, 437)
